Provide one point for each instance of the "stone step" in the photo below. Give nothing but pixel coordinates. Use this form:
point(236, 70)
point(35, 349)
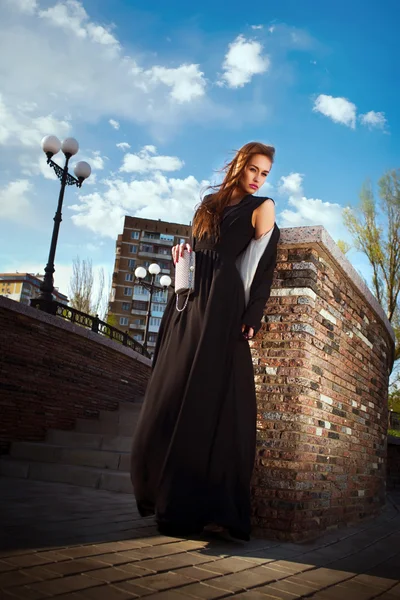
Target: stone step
point(96, 441)
point(105, 427)
point(119, 416)
point(105, 479)
point(89, 457)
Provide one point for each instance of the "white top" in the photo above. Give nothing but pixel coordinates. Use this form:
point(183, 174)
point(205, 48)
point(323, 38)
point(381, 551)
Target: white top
point(249, 259)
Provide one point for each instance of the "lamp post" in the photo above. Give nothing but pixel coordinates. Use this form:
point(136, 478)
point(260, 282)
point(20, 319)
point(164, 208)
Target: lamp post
point(51, 145)
point(140, 274)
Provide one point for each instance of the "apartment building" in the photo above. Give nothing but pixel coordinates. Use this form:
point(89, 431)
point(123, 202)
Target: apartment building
point(21, 287)
point(143, 242)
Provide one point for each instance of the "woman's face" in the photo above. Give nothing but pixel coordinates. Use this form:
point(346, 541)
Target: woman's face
point(255, 173)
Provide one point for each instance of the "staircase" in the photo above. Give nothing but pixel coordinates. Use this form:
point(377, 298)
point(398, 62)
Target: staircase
point(95, 454)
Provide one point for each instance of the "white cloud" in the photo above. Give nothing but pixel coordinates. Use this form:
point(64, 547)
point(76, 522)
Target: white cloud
point(71, 16)
point(114, 124)
point(373, 119)
point(15, 204)
point(25, 6)
point(292, 184)
point(340, 110)
point(19, 128)
point(66, 64)
point(95, 160)
point(257, 26)
point(145, 161)
point(186, 82)
point(271, 29)
point(154, 197)
point(123, 145)
point(243, 60)
point(309, 211)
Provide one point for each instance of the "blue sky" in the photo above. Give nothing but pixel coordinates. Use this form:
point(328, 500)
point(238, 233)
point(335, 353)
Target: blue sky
point(160, 94)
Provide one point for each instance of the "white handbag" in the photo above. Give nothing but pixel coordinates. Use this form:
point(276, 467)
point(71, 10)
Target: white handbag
point(184, 276)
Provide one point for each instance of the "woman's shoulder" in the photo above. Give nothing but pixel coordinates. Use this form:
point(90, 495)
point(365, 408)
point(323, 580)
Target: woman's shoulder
point(261, 199)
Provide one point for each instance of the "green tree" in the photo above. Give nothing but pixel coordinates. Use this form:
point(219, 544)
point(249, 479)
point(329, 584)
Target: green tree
point(381, 244)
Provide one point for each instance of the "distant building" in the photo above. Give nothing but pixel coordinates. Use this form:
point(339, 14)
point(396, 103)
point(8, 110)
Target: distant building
point(21, 287)
point(143, 242)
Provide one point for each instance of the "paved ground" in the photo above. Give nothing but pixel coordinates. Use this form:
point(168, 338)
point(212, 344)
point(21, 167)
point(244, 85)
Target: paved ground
point(80, 544)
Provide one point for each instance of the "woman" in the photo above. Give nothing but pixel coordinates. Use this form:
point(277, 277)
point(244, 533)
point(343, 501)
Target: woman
point(194, 448)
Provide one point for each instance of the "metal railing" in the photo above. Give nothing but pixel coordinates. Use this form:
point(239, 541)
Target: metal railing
point(97, 326)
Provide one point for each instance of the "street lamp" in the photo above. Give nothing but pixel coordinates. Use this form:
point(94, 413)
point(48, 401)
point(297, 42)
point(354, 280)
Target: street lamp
point(165, 281)
point(51, 145)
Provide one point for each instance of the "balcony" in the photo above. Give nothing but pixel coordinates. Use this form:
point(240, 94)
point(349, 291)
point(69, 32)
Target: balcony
point(157, 241)
point(155, 255)
point(140, 313)
point(135, 326)
point(141, 297)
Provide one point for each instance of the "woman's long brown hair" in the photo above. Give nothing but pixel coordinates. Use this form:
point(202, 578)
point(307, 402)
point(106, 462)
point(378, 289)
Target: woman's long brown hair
point(208, 215)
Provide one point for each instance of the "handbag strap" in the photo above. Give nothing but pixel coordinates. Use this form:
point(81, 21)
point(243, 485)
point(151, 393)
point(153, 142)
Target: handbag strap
point(185, 305)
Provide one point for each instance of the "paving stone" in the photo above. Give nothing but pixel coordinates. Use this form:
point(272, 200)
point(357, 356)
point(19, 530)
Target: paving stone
point(136, 587)
point(231, 564)
point(378, 583)
point(71, 567)
point(392, 594)
point(169, 595)
point(245, 579)
point(198, 573)
point(63, 585)
point(170, 563)
point(120, 573)
point(323, 577)
point(165, 581)
point(256, 595)
point(27, 560)
point(22, 593)
point(203, 591)
point(91, 544)
point(290, 588)
point(14, 578)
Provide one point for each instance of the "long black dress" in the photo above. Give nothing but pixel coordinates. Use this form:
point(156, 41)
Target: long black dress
point(194, 447)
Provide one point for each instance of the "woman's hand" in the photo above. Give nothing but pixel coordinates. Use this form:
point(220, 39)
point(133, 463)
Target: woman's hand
point(248, 332)
point(178, 251)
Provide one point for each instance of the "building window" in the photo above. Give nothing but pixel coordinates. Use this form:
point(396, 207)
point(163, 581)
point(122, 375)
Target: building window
point(123, 321)
point(128, 291)
point(141, 291)
point(138, 305)
point(126, 305)
point(138, 337)
point(131, 263)
point(138, 322)
point(129, 277)
point(152, 337)
point(133, 249)
point(155, 322)
point(135, 235)
point(158, 308)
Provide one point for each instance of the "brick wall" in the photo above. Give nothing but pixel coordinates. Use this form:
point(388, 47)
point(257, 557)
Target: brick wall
point(52, 372)
point(393, 463)
point(322, 362)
